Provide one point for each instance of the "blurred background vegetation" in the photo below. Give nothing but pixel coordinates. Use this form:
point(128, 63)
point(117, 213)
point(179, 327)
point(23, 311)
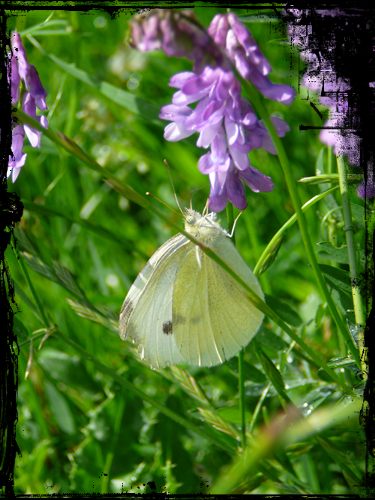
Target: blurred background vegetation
point(92, 417)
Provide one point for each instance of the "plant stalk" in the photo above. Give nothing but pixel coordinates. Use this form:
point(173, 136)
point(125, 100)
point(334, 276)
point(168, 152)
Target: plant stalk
point(359, 313)
point(260, 108)
point(241, 371)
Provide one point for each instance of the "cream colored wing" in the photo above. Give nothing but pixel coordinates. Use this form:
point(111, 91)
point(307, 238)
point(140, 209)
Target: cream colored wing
point(212, 316)
point(146, 314)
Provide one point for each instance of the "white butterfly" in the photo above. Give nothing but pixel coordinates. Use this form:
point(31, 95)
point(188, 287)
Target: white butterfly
point(184, 307)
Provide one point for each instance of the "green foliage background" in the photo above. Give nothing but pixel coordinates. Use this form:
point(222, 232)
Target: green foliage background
point(92, 417)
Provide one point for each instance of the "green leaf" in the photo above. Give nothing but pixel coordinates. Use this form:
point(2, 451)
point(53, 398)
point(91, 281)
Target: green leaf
point(253, 374)
point(321, 163)
point(287, 313)
point(96, 316)
point(60, 409)
point(269, 257)
point(315, 398)
point(39, 266)
point(358, 213)
point(270, 341)
point(273, 374)
point(327, 251)
point(67, 368)
point(337, 278)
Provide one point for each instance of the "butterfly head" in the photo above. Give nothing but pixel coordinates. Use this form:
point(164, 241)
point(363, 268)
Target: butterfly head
point(204, 228)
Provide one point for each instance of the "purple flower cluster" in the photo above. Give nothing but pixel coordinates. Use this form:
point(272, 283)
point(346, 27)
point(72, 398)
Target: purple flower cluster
point(26, 88)
point(226, 123)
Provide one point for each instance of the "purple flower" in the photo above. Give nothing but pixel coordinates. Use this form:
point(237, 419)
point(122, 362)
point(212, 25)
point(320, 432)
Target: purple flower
point(25, 86)
point(227, 125)
point(22, 70)
point(177, 33)
point(242, 50)
point(17, 160)
point(29, 107)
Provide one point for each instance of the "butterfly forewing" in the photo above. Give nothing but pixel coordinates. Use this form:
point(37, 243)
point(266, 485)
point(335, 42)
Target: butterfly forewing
point(146, 314)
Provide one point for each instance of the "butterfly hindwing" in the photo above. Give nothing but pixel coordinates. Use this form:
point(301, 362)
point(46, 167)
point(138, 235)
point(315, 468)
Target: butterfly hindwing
point(212, 316)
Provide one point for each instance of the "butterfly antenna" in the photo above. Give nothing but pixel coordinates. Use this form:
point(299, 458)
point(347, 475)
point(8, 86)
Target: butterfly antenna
point(162, 202)
point(234, 224)
point(172, 184)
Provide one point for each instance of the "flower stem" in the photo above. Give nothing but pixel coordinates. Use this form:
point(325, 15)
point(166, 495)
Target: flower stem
point(241, 371)
point(359, 312)
point(241, 387)
point(260, 108)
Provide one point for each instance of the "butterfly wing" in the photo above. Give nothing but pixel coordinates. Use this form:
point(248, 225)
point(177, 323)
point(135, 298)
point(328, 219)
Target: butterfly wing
point(212, 316)
point(146, 314)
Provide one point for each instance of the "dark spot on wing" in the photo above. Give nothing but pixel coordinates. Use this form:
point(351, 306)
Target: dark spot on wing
point(195, 320)
point(167, 327)
point(179, 320)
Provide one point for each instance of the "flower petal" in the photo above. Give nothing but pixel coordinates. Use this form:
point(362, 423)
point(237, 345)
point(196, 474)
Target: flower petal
point(240, 158)
point(232, 130)
point(218, 196)
point(207, 135)
point(174, 113)
point(17, 158)
point(256, 181)
point(175, 132)
point(19, 53)
point(35, 87)
point(235, 191)
point(29, 107)
point(14, 80)
point(179, 79)
point(280, 93)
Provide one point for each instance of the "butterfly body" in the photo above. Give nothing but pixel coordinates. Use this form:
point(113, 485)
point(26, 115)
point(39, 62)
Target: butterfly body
point(184, 307)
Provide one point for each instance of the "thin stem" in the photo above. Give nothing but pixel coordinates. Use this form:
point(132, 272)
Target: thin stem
point(241, 387)
point(329, 160)
point(40, 308)
point(329, 178)
point(359, 312)
point(259, 406)
point(260, 108)
point(241, 371)
point(348, 228)
point(256, 251)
